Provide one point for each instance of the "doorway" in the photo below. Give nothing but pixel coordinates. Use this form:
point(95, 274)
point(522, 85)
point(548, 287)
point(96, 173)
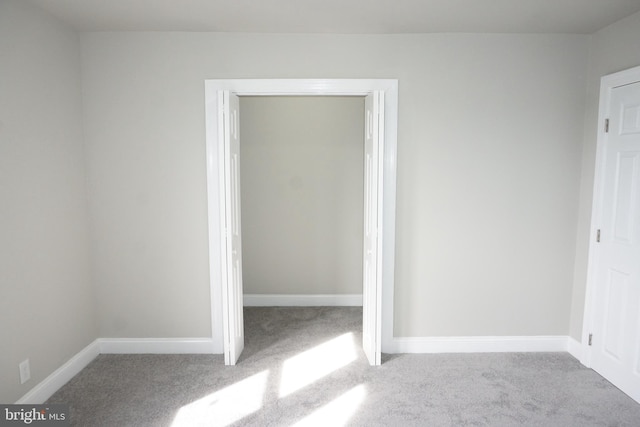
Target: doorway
point(226, 304)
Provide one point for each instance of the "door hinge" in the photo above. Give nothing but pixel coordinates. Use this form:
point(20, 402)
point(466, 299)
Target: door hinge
point(606, 125)
point(590, 339)
point(598, 236)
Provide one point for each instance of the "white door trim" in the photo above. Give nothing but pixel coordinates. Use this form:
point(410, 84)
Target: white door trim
point(607, 84)
point(302, 87)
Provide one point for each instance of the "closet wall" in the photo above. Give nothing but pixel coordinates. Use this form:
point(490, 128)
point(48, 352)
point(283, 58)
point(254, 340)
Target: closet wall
point(302, 194)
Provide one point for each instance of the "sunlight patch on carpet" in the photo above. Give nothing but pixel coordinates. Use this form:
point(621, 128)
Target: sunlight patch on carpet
point(226, 406)
point(316, 363)
point(338, 412)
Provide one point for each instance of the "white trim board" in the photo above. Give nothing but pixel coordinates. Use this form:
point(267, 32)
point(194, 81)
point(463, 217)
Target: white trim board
point(574, 348)
point(45, 389)
point(287, 300)
point(508, 344)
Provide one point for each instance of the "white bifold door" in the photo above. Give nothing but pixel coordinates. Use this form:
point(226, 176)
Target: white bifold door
point(616, 333)
point(233, 322)
point(372, 251)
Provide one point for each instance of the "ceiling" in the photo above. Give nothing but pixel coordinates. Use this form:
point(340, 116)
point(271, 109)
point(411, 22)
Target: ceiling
point(342, 16)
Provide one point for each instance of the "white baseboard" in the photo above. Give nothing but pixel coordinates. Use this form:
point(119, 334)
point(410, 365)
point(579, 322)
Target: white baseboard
point(574, 348)
point(286, 300)
point(45, 389)
point(156, 345)
point(478, 344)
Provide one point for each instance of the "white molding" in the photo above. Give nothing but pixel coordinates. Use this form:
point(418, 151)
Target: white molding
point(574, 347)
point(607, 84)
point(156, 346)
point(302, 87)
point(288, 300)
point(480, 344)
point(327, 87)
point(45, 389)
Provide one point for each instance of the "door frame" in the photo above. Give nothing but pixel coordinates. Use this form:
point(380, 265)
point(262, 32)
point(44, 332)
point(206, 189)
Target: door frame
point(301, 87)
point(607, 84)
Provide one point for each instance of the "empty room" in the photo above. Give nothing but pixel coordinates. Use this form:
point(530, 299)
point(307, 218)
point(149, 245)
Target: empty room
point(320, 213)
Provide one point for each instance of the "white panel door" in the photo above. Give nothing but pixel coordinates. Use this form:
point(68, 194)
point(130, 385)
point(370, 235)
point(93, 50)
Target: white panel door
point(372, 251)
point(232, 241)
point(616, 334)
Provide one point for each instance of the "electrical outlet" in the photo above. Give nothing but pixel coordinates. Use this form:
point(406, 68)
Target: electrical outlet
point(25, 371)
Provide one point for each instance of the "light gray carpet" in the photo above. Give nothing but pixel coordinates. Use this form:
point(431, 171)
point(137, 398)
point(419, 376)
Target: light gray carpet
point(330, 383)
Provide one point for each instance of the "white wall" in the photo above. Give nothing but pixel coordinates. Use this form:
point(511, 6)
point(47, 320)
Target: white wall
point(46, 298)
point(302, 194)
point(614, 48)
point(489, 156)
